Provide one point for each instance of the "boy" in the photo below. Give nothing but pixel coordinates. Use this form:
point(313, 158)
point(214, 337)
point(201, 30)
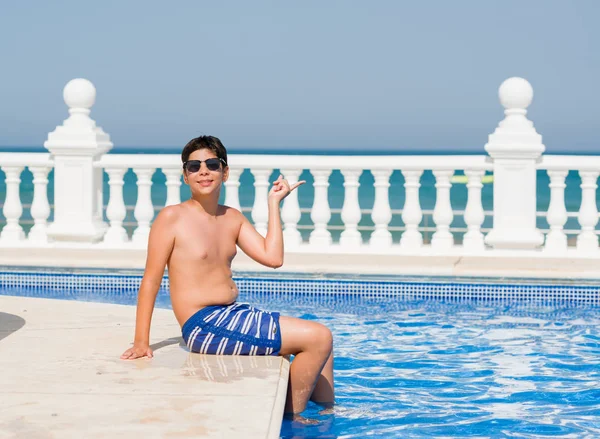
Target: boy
point(197, 241)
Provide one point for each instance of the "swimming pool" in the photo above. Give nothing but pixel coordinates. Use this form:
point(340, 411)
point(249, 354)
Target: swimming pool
point(415, 358)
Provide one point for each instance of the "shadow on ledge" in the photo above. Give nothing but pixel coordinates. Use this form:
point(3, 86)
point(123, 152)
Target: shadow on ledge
point(10, 323)
point(167, 342)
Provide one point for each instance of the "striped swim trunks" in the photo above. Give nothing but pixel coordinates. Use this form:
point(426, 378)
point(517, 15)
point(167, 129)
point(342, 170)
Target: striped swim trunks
point(236, 329)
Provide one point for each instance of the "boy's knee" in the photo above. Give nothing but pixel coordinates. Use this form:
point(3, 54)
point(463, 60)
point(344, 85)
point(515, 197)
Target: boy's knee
point(325, 338)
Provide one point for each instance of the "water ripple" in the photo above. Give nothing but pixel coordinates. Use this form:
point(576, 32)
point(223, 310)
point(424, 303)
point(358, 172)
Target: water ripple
point(425, 370)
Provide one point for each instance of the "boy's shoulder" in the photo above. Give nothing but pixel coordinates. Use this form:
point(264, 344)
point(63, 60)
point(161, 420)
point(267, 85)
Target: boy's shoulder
point(230, 212)
point(170, 214)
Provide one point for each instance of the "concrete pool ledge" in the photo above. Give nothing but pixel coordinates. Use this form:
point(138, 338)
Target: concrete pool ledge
point(61, 376)
point(497, 264)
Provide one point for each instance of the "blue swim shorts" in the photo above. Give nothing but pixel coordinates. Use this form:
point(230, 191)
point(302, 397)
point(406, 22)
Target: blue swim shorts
point(236, 329)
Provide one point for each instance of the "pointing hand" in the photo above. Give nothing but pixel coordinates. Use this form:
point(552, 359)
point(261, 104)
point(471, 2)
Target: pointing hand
point(281, 188)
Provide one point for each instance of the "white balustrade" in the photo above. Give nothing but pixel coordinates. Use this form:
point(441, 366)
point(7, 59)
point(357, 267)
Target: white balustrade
point(442, 239)
point(173, 185)
point(40, 208)
point(144, 210)
point(290, 212)
point(474, 214)
point(260, 208)
point(232, 188)
point(12, 232)
point(116, 210)
point(351, 214)
point(321, 212)
point(412, 214)
point(587, 240)
point(556, 240)
point(516, 152)
point(382, 213)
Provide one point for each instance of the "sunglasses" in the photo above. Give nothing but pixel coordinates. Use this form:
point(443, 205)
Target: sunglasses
point(211, 164)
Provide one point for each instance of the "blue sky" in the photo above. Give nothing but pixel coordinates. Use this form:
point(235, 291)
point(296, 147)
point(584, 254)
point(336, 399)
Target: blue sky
point(387, 75)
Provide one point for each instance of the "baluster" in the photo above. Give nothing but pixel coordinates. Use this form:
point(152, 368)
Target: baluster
point(173, 186)
point(40, 208)
point(442, 213)
point(13, 209)
point(474, 214)
point(116, 210)
point(411, 214)
point(320, 213)
point(260, 209)
point(556, 240)
point(144, 210)
point(351, 214)
point(382, 213)
point(588, 212)
point(290, 213)
point(232, 189)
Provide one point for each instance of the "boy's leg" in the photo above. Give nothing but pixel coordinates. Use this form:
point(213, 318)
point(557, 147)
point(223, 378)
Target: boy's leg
point(323, 392)
point(311, 343)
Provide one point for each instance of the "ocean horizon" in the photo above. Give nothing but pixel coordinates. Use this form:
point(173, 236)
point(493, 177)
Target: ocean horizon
point(300, 150)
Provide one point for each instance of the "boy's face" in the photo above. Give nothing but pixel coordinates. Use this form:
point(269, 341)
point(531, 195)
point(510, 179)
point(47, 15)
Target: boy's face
point(205, 181)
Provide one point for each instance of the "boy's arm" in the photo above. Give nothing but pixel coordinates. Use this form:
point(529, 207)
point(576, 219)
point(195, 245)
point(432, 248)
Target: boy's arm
point(160, 246)
point(269, 250)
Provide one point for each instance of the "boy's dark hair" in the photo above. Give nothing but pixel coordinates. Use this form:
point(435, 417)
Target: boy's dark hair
point(204, 142)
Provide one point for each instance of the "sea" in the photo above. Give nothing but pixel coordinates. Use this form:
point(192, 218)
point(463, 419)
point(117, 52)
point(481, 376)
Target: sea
point(427, 193)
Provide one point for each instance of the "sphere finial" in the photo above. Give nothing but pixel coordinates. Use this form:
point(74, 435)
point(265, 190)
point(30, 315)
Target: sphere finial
point(515, 93)
point(79, 93)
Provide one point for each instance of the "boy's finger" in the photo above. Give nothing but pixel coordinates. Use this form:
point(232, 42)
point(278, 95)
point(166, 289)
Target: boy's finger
point(295, 185)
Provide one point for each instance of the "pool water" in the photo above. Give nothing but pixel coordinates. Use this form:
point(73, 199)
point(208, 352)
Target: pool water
point(409, 368)
point(467, 369)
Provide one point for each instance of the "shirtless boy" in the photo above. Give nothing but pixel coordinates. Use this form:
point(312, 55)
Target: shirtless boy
point(197, 241)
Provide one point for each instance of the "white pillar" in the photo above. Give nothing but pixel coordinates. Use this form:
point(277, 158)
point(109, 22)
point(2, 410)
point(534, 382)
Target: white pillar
point(260, 208)
point(515, 147)
point(556, 240)
point(13, 209)
point(474, 214)
point(382, 213)
point(75, 146)
point(442, 213)
point(587, 240)
point(290, 212)
point(116, 210)
point(320, 213)
point(412, 214)
point(144, 209)
point(40, 208)
point(173, 186)
point(351, 215)
point(232, 189)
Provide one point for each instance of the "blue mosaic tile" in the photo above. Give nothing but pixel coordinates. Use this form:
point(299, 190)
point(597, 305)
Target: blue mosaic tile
point(124, 286)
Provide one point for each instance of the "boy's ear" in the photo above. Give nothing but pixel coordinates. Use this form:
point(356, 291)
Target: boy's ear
point(225, 173)
point(185, 178)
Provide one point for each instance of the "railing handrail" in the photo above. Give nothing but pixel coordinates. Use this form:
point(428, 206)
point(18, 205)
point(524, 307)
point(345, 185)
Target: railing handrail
point(258, 161)
point(313, 162)
point(26, 159)
point(569, 163)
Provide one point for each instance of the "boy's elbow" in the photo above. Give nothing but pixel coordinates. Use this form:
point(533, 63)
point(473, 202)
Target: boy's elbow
point(275, 264)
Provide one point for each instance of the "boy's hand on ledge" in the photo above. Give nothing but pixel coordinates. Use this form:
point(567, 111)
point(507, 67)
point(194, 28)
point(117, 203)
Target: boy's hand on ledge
point(137, 351)
point(281, 188)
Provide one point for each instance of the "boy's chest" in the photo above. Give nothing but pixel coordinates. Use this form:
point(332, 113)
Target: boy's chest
point(207, 240)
